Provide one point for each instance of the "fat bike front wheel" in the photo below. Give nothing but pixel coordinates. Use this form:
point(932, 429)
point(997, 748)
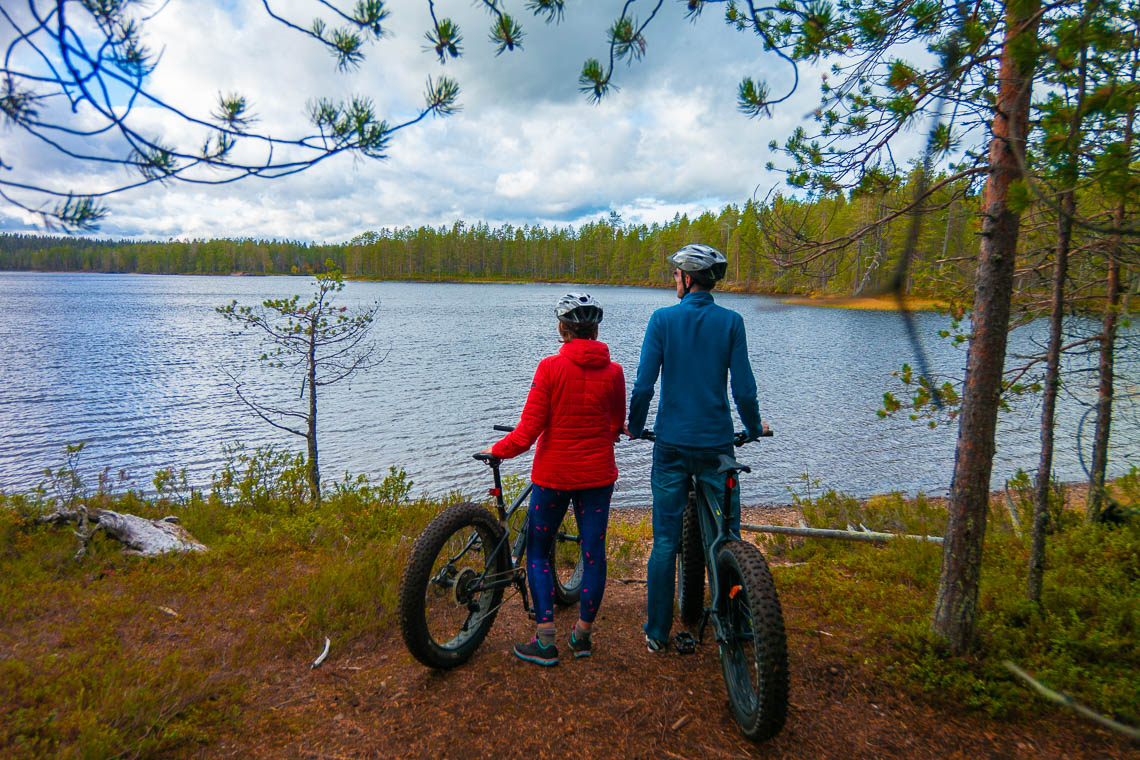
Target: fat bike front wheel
point(753, 656)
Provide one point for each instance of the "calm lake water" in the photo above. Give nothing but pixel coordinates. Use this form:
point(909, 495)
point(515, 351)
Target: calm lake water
point(136, 366)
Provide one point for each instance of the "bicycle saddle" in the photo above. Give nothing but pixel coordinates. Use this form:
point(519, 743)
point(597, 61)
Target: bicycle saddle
point(728, 464)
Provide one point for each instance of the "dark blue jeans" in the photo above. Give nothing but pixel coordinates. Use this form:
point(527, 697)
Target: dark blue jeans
point(547, 508)
point(669, 479)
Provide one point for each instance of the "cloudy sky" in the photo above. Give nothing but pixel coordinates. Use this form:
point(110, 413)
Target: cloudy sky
point(527, 147)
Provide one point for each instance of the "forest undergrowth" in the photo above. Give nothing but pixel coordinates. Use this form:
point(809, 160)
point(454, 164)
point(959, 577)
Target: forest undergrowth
point(112, 655)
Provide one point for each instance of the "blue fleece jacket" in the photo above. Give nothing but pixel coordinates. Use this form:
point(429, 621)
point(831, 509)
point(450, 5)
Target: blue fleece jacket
point(694, 346)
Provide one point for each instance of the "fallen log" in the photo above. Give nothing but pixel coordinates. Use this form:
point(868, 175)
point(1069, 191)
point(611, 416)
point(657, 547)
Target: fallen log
point(845, 535)
point(139, 536)
point(1064, 699)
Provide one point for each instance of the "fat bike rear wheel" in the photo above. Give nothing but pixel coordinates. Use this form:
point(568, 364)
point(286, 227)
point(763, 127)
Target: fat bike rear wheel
point(568, 562)
point(691, 566)
point(453, 585)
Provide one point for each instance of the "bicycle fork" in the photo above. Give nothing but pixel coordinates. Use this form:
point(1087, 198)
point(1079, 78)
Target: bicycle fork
point(721, 536)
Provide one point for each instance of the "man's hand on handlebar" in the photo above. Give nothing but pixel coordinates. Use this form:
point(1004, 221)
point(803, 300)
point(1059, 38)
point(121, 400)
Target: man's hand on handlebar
point(739, 439)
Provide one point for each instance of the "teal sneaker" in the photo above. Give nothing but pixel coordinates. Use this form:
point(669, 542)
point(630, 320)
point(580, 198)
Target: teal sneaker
point(534, 651)
point(581, 647)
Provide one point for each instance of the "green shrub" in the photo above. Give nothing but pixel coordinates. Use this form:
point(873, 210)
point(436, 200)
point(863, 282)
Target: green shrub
point(99, 674)
point(1083, 639)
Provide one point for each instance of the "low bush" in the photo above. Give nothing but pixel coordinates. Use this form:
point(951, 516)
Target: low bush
point(1083, 638)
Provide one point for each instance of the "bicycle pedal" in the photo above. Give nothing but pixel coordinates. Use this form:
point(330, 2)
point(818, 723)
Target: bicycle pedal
point(684, 643)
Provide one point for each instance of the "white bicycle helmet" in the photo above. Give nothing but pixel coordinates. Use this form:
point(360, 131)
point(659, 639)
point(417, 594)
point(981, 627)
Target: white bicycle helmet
point(578, 308)
point(704, 261)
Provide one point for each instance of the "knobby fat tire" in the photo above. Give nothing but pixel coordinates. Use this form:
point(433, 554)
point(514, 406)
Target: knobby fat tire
point(761, 709)
point(460, 518)
point(691, 566)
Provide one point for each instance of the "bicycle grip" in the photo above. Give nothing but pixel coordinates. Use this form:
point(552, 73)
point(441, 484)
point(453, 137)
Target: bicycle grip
point(503, 428)
point(739, 439)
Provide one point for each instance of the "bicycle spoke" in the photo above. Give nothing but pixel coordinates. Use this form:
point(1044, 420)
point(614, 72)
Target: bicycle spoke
point(457, 599)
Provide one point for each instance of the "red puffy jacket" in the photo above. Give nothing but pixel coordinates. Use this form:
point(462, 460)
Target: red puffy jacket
point(575, 411)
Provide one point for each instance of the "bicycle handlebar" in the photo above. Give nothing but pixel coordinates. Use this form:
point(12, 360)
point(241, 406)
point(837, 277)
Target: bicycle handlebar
point(490, 459)
point(738, 438)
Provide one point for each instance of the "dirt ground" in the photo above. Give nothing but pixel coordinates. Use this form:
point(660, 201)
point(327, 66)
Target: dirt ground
point(623, 702)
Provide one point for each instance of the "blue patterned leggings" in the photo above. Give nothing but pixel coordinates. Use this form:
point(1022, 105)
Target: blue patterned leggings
point(547, 508)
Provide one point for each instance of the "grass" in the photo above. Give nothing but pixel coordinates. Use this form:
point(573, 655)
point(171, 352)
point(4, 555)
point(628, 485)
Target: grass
point(108, 655)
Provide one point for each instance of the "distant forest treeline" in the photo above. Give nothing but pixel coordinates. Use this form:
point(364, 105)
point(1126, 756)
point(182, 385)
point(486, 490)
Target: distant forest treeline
point(780, 246)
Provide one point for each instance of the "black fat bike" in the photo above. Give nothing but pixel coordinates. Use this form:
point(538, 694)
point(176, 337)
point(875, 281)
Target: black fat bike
point(742, 605)
point(463, 564)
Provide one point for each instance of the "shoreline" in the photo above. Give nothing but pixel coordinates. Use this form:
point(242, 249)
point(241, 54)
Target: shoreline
point(1075, 494)
point(857, 303)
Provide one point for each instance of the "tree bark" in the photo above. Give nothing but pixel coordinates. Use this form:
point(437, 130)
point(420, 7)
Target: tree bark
point(955, 608)
point(139, 536)
point(1049, 397)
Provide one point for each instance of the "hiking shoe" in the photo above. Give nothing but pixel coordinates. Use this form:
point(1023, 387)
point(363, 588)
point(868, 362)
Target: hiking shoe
point(534, 651)
point(656, 646)
point(581, 647)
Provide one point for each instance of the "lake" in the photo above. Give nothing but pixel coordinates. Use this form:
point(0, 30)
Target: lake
point(138, 367)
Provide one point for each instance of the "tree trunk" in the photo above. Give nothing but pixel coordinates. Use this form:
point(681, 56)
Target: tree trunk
point(1105, 377)
point(311, 435)
point(1105, 391)
point(1069, 176)
point(1049, 396)
point(139, 536)
point(955, 608)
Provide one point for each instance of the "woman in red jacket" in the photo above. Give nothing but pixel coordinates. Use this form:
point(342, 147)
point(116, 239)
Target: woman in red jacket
point(575, 411)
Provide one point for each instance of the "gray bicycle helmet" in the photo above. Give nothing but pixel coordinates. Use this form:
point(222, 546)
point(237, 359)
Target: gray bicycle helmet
point(702, 261)
point(578, 308)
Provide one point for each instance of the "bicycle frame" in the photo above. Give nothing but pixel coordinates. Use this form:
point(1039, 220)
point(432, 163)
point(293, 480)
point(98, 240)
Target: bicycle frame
point(517, 544)
point(714, 522)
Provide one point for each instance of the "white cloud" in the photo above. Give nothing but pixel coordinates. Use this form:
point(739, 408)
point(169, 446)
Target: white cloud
point(526, 148)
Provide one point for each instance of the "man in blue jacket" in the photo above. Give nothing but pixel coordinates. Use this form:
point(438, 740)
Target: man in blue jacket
point(695, 346)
